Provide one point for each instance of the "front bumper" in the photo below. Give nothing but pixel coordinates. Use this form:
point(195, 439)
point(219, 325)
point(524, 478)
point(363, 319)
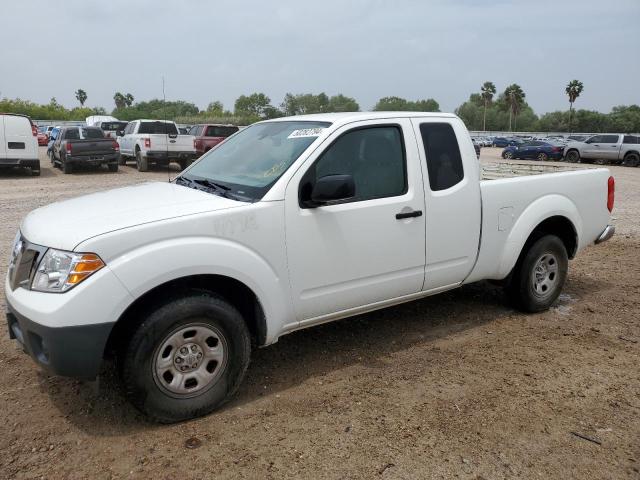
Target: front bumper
point(68, 351)
point(606, 234)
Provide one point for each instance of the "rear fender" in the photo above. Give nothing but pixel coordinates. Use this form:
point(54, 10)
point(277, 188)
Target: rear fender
point(537, 212)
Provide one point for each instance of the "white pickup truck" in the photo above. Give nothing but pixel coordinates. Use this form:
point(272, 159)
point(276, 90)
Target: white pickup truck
point(155, 142)
point(606, 148)
point(289, 223)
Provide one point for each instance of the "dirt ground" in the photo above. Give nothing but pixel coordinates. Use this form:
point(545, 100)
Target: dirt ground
point(458, 385)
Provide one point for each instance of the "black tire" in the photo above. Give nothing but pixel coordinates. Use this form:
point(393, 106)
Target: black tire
point(573, 156)
point(122, 160)
point(631, 160)
point(141, 162)
point(524, 292)
point(113, 167)
point(145, 389)
point(507, 155)
point(543, 157)
point(185, 163)
point(66, 166)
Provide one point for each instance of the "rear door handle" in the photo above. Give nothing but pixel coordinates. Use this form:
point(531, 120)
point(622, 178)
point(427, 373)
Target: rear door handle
point(415, 213)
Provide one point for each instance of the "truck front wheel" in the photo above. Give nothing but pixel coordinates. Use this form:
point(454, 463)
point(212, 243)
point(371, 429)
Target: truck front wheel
point(631, 160)
point(539, 275)
point(186, 358)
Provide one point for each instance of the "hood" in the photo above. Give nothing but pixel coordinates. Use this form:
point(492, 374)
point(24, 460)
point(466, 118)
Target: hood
point(65, 224)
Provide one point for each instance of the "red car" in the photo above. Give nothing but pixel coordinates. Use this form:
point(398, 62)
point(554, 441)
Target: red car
point(208, 136)
point(43, 139)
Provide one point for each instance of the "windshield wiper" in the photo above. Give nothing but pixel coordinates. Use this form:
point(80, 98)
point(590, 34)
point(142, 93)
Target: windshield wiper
point(219, 188)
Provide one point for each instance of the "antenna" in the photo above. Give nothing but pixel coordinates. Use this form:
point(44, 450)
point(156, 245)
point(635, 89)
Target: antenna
point(166, 132)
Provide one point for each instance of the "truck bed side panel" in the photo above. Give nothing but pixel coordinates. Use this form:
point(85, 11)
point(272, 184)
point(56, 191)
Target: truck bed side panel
point(513, 207)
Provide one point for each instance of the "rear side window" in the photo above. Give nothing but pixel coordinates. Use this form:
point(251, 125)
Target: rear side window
point(216, 131)
point(444, 162)
point(609, 139)
point(631, 139)
point(158, 127)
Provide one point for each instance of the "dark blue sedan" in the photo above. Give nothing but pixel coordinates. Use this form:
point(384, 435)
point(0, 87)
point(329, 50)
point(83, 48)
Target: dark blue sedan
point(534, 150)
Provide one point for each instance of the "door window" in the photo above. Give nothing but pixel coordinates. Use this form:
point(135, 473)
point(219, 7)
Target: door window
point(444, 162)
point(609, 139)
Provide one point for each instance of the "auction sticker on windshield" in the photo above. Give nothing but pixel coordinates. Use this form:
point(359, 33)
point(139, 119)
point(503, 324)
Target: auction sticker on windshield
point(306, 132)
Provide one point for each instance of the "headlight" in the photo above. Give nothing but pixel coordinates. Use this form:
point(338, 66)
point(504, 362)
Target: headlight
point(58, 271)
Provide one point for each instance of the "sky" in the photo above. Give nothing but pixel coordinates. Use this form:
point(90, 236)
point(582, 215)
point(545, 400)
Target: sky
point(366, 49)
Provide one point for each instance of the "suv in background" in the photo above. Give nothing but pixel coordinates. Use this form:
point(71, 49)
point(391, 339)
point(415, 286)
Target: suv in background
point(19, 142)
point(208, 136)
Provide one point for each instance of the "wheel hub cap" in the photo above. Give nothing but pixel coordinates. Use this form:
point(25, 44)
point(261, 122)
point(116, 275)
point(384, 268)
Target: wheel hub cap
point(190, 360)
point(545, 275)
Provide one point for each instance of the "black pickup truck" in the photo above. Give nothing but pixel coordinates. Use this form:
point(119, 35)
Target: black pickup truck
point(77, 146)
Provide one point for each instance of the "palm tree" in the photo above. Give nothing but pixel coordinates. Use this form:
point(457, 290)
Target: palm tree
point(81, 96)
point(574, 89)
point(128, 99)
point(515, 98)
point(119, 100)
point(488, 90)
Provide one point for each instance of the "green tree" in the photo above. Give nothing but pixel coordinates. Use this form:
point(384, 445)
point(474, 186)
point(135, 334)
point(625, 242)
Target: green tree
point(81, 96)
point(514, 96)
point(128, 99)
point(573, 90)
point(215, 108)
point(119, 100)
point(342, 103)
point(254, 105)
point(488, 90)
point(399, 104)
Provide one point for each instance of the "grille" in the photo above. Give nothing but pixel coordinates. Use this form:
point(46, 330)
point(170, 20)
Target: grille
point(24, 259)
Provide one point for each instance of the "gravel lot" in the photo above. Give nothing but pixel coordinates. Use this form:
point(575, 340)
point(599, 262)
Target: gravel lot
point(457, 385)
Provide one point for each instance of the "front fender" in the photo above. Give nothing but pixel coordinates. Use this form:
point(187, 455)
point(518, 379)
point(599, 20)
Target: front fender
point(537, 212)
point(152, 265)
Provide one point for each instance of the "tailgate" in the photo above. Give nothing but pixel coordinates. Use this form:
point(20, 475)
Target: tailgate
point(181, 143)
point(92, 147)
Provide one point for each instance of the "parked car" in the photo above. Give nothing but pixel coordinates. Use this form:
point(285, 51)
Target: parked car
point(84, 146)
point(606, 148)
point(43, 139)
point(504, 142)
point(18, 142)
point(52, 138)
point(291, 223)
point(534, 149)
point(155, 142)
point(208, 136)
point(111, 129)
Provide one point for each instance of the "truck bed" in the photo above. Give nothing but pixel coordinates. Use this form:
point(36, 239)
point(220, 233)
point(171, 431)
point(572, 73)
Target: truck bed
point(497, 170)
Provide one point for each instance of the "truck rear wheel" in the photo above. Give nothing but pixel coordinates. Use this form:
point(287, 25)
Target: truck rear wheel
point(66, 166)
point(113, 167)
point(539, 275)
point(141, 162)
point(186, 359)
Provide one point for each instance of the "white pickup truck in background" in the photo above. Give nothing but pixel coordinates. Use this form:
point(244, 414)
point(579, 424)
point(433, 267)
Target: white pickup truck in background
point(155, 142)
point(289, 223)
point(606, 148)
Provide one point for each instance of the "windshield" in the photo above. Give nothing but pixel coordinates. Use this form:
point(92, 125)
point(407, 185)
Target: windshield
point(249, 163)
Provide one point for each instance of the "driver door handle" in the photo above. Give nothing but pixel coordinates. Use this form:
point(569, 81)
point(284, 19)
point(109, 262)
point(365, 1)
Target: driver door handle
point(403, 215)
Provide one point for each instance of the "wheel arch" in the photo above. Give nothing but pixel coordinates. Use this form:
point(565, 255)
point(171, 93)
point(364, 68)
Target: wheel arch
point(553, 214)
point(232, 290)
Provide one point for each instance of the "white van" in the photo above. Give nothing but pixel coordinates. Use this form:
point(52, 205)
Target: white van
point(18, 142)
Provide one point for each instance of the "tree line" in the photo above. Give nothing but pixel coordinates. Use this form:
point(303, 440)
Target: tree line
point(484, 110)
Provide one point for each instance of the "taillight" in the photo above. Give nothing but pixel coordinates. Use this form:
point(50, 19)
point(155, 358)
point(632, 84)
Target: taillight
point(147, 143)
point(115, 145)
point(556, 149)
point(68, 147)
point(611, 193)
point(34, 130)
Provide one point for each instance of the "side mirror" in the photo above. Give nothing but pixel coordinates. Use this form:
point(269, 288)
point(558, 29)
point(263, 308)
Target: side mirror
point(331, 188)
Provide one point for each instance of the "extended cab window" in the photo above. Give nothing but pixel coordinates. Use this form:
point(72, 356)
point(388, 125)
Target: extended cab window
point(444, 162)
point(375, 158)
point(631, 139)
